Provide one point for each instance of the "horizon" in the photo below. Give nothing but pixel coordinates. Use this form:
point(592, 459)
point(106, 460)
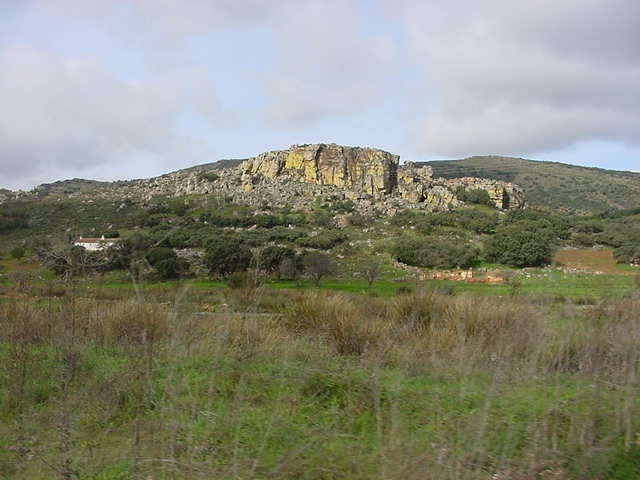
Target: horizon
point(133, 179)
point(122, 90)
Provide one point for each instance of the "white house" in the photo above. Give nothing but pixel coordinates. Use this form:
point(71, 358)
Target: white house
point(96, 244)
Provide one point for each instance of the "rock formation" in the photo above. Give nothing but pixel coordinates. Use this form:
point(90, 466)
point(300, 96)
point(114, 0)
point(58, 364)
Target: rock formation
point(369, 173)
point(304, 175)
point(367, 170)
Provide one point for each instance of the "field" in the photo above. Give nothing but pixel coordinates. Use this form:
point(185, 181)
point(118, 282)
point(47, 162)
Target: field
point(196, 380)
point(588, 261)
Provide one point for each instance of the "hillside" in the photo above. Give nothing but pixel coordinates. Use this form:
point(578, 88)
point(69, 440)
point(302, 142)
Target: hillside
point(551, 184)
point(217, 165)
point(75, 185)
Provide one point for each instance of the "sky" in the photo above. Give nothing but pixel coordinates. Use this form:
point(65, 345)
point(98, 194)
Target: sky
point(120, 89)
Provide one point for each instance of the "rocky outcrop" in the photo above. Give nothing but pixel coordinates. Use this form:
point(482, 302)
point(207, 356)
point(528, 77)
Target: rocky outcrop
point(304, 175)
point(367, 173)
point(504, 195)
point(364, 169)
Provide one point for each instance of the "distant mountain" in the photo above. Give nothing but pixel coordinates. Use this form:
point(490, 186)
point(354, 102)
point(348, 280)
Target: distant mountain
point(551, 184)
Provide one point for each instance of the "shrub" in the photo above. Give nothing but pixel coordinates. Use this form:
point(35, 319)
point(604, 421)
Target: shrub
point(239, 280)
point(224, 256)
point(521, 245)
point(209, 176)
point(435, 252)
point(318, 265)
point(270, 258)
point(477, 196)
point(324, 240)
point(171, 268)
point(18, 252)
point(345, 323)
point(10, 221)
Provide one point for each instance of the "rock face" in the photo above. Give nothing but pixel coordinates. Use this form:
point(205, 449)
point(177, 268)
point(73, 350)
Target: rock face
point(364, 169)
point(367, 173)
point(304, 175)
point(504, 195)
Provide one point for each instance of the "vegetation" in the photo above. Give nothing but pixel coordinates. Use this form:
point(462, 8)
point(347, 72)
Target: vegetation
point(551, 185)
point(222, 341)
point(224, 256)
point(424, 384)
point(435, 252)
point(318, 265)
point(477, 196)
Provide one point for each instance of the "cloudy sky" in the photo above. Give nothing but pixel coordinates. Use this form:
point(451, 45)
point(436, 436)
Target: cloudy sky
point(116, 89)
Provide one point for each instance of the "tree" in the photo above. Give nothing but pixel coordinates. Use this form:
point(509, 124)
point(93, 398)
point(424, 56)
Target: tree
point(317, 265)
point(435, 252)
point(18, 252)
point(172, 268)
point(289, 268)
point(224, 256)
point(371, 269)
point(166, 263)
point(10, 221)
point(72, 261)
point(521, 245)
point(270, 258)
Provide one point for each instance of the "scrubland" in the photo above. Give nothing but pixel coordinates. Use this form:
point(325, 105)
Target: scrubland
point(312, 384)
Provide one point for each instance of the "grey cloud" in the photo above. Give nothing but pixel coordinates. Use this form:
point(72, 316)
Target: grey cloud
point(517, 77)
point(66, 116)
point(329, 65)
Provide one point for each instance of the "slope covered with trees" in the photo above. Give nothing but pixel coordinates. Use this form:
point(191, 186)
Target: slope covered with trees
point(551, 184)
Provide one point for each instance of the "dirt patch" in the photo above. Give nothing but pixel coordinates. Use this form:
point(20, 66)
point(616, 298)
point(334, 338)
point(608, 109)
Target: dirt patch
point(588, 261)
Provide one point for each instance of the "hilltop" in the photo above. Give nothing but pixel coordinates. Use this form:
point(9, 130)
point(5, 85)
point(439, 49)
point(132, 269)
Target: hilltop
point(372, 180)
point(551, 185)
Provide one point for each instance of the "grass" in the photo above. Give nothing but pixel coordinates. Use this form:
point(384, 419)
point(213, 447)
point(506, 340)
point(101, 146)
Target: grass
point(597, 261)
point(537, 282)
point(339, 386)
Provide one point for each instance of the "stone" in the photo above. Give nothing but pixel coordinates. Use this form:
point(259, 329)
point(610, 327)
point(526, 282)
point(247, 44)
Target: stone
point(365, 170)
point(303, 175)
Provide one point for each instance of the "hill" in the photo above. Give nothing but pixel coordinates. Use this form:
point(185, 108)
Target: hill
point(551, 184)
point(217, 165)
point(75, 185)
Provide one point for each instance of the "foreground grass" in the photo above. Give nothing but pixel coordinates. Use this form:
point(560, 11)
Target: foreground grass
point(419, 385)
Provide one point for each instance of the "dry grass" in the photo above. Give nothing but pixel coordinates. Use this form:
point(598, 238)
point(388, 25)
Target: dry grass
point(422, 385)
point(588, 260)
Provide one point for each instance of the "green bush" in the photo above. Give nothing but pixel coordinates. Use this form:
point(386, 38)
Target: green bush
point(521, 245)
point(209, 176)
point(18, 252)
point(270, 258)
point(224, 255)
point(171, 268)
point(323, 240)
point(10, 221)
point(435, 252)
point(477, 196)
point(318, 265)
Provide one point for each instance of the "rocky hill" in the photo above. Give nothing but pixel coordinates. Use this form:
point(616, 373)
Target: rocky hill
point(302, 176)
point(552, 185)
